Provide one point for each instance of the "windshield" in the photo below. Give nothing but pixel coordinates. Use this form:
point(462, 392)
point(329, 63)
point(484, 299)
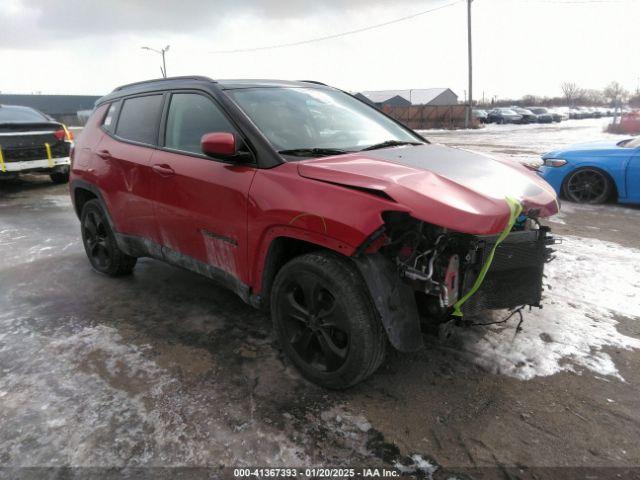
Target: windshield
point(20, 114)
point(311, 118)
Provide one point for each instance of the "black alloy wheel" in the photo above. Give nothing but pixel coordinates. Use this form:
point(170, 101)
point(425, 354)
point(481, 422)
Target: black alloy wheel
point(588, 185)
point(315, 323)
point(96, 240)
point(325, 320)
point(100, 243)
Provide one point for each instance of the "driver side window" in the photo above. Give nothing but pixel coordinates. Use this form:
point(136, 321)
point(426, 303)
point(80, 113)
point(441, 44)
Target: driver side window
point(191, 115)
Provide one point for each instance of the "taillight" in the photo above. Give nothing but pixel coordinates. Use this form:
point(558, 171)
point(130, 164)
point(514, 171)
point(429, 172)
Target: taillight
point(63, 134)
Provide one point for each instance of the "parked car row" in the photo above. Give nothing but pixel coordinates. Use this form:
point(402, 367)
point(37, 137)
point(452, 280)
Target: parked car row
point(593, 112)
point(524, 115)
point(519, 115)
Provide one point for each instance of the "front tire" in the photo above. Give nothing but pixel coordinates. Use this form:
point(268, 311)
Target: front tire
point(588, 185)
point(100, 243)
point(325, 320)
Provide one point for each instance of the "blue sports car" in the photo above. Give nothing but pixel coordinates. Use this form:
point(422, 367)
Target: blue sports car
point(595, 172)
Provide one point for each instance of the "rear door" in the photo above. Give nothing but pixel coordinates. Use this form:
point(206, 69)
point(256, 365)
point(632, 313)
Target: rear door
point(200, 202)
point(123, 164)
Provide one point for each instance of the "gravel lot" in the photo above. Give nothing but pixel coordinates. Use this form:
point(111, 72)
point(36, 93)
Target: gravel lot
point(165, 369)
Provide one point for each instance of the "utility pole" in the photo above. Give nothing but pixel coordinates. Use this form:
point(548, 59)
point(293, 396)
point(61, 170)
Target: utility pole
point(467, 118)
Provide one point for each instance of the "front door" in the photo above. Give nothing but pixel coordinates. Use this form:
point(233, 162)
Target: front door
point(200, 203)
point(633, 176)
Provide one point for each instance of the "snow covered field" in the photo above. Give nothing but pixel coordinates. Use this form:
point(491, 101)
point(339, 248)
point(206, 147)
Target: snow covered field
point(524, 143)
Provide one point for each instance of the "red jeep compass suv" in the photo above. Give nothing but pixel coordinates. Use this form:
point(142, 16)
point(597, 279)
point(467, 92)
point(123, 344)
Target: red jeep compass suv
point(350, 228)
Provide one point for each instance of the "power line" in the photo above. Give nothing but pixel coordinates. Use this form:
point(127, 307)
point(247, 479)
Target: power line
point(336, 35)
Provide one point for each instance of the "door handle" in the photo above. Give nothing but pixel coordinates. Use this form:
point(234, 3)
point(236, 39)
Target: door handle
point(163, 170)
point(104, 154)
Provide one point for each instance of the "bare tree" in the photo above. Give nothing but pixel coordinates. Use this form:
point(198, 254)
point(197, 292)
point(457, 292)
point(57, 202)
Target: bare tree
point(616, 93)
point(592, 96)
point(571, 92)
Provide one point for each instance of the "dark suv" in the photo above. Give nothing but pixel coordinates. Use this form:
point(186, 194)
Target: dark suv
point(33, 142)
point(347, 226)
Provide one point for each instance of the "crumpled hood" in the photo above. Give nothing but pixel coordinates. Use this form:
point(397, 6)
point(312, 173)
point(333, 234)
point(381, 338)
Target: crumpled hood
point(451, 187)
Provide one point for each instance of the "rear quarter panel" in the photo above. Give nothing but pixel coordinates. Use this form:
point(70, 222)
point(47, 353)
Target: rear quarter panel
point(85, 141)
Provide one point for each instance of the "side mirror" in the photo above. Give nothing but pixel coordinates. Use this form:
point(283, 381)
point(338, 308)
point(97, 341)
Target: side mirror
point(223, 145)
point(218, 144)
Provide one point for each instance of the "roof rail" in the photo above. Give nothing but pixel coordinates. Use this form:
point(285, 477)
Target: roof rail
point(154, 80)
point(313, 81)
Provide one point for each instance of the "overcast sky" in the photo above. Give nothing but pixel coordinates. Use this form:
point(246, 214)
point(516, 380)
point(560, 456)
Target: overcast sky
point(520, 46)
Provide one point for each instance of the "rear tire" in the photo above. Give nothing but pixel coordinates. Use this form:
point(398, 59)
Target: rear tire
point(100, 243)
point(59, 177)
point(325, 320)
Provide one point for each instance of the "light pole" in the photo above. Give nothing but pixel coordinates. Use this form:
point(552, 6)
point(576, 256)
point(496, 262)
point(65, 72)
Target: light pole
point(163, 69)
point(467, 118)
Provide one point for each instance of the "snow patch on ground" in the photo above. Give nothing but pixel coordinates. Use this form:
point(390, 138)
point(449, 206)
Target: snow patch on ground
point(110, 389)
point(419, 465)
point(559, 218)
point(589, 284)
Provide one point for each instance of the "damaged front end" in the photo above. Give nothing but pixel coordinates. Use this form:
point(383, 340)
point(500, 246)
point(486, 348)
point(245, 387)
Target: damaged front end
point(435, 269)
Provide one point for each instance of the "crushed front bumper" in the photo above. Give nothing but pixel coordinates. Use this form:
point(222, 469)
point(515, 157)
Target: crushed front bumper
point(515, 276)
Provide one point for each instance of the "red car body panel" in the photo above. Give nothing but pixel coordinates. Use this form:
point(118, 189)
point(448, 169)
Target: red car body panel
point(228, 215)
point(123, 172)
point(201, 209)
point(283, 203)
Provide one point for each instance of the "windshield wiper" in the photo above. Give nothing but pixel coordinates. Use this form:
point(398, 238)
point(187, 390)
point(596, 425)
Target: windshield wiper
point(313, 152)
point(389, 143)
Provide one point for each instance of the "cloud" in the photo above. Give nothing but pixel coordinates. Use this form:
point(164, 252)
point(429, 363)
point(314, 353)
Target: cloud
point(28, 23)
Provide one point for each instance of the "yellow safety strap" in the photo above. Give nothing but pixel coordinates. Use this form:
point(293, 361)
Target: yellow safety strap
point(49, 156)
point(515, 208)
point(2, 167)
point(66, 132)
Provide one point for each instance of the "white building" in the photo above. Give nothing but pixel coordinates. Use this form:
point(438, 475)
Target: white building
point(415, 96)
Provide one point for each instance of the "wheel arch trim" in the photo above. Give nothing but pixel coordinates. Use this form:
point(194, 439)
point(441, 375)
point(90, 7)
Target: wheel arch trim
point(394, 301)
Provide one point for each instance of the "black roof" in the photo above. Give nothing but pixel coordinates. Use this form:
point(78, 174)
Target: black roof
point(176, 82)
point(236, 84)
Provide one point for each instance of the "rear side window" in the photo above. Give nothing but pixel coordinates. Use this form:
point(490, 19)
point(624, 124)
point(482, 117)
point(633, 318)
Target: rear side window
point(191, 116)
point(138, 119)
point(109, 122)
